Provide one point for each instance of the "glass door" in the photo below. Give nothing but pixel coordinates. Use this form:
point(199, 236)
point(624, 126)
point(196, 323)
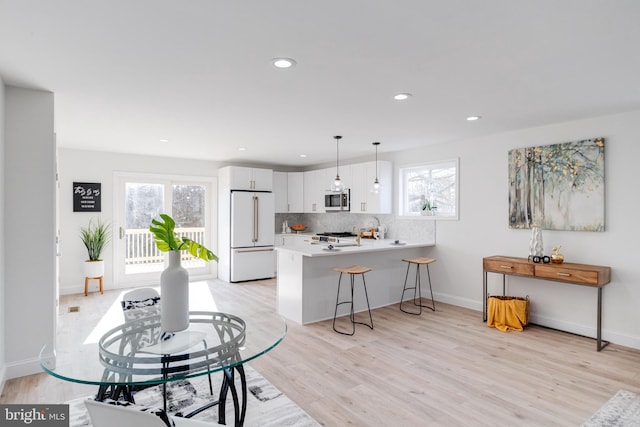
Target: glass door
point(142, 198)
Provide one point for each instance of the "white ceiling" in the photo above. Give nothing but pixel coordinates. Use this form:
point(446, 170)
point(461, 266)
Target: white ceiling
point(128, 73)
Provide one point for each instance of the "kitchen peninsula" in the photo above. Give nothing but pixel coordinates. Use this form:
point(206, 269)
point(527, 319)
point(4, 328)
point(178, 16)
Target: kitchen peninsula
point(307, 284)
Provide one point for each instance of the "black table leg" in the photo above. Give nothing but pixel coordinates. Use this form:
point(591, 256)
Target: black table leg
point(600, 344)
point(228, 384)
point(484, 296)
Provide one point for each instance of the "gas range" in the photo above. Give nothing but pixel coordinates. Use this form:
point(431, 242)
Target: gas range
point(335, 238)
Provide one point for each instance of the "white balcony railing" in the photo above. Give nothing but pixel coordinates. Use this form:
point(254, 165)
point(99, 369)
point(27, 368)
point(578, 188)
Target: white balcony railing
point(142, 254)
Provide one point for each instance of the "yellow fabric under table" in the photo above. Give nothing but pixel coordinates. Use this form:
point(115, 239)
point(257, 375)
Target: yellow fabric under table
point(508, 313)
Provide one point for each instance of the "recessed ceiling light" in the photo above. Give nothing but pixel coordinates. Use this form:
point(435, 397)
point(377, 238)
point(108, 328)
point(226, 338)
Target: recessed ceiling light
point(473, 118)
point(164, 140)
point(303, 155)
point(402, 96)
point(283, 62)
point(242, 149)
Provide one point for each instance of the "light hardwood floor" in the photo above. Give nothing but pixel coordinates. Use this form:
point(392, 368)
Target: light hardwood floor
point(444, 368)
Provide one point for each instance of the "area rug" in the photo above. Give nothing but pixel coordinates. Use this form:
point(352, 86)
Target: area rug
point(623, 409)
point(266, 405)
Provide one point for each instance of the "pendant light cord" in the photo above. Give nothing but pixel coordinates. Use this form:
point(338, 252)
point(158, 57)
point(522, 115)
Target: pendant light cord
point(377, 161)
point(338, 138)
point(376, 145)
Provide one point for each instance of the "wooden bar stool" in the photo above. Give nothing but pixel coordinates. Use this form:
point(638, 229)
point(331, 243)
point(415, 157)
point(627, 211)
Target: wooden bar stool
point(417, 292)
point(352, 272)
point(86, 284)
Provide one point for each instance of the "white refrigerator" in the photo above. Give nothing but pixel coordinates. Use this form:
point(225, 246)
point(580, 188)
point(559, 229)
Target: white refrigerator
point(252, 235)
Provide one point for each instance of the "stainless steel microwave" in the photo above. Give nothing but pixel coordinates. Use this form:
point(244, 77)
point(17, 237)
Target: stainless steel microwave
point(337, 201)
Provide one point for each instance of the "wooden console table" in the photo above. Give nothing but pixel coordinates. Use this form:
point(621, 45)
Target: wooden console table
point(575, 274)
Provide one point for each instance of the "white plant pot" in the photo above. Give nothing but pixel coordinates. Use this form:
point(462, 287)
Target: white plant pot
point(174, 295)
point(93, 269)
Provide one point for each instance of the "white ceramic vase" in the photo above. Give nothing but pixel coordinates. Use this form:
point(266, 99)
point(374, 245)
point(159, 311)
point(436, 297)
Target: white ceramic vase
point(535, 244)
point(174, 295)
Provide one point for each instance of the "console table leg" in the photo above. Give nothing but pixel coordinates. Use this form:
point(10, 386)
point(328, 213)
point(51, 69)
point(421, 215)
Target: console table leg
point(504, 284)
point(600, 344)
point(484, 296)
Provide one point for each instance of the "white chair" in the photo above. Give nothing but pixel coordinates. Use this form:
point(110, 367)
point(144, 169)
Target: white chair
point(108, 415)
point(145, 301)
point(140, 294)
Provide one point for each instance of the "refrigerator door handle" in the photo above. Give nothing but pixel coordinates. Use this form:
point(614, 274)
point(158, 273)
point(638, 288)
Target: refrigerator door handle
point(242, 251)
point(255, 219)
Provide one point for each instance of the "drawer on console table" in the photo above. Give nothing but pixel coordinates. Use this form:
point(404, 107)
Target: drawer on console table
point(574, 273)
point(508, 266)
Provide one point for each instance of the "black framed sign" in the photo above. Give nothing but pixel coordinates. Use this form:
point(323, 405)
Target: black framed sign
point(86, 196)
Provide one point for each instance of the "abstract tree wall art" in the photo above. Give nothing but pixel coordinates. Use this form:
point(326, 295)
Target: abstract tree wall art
point(558, 186)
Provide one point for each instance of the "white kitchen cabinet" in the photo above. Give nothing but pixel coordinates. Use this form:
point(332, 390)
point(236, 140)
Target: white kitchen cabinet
point(280, 192)
point(363, 200)
point(291, 239)
point(295, 192)
point(315, 185)
point(345, 175)
point(288, 189)
point(243, 178)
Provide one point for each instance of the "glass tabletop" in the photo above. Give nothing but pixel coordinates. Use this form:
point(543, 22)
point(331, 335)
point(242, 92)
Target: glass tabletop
point(135, 352)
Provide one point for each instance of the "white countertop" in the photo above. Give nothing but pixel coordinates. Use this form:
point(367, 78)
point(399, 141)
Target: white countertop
point(366, 245)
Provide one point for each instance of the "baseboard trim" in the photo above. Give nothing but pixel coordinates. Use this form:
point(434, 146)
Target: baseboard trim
point(3, 373)
point(549, 322)
point(585, 331)
point(22, 368)
point(72, 290)
point(457, 301)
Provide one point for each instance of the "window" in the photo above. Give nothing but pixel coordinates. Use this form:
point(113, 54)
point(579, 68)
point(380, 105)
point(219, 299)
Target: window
point(429, 190)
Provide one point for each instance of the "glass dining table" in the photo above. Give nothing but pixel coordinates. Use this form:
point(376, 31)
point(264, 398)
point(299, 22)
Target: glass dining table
point(135, 352)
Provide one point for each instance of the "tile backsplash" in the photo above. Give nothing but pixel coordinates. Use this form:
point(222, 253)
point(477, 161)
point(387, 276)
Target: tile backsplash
point(397, 228)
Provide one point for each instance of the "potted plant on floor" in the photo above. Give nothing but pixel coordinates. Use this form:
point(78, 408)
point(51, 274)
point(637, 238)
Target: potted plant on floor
point(95, 237)
point(174, 280)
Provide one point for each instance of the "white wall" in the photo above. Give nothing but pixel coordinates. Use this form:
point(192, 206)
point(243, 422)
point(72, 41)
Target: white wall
point(2, 245)
point(91, 166)
point(29, 220)
point(483, 229)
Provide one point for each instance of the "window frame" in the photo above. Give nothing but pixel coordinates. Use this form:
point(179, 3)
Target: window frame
point(429, 165)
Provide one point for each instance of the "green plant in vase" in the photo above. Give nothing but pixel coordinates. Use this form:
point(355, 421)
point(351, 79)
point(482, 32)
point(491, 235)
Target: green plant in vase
point(174, 280)
point(167, 240)
point(95, 237)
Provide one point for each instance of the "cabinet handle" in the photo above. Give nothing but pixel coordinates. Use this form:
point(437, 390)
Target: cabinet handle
point(509, 267)
point(564, 274)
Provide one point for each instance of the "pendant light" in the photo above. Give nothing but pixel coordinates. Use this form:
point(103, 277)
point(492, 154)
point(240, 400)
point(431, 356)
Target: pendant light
point(337, 184)
point(375, 188)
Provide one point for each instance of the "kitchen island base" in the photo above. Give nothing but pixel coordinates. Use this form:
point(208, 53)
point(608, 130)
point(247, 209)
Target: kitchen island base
point(307, 283)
